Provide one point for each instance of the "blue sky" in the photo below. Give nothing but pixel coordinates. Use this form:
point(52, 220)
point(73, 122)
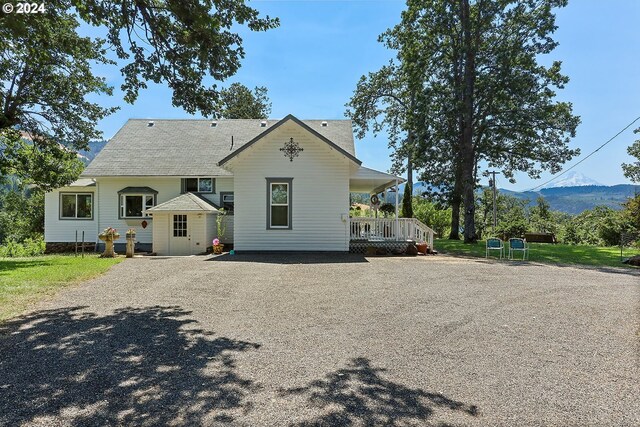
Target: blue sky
point(312, 62)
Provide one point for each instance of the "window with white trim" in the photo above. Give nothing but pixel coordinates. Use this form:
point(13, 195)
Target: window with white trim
point(279, 209)
point(76, 205)
point(198, 185)
point(136, 205)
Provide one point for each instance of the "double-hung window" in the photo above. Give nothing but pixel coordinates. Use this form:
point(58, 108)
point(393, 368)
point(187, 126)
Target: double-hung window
point(76, 205)
point(279, 203)
point(198, 185)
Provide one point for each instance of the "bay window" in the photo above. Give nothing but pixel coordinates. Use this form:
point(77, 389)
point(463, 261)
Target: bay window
point(134, 202)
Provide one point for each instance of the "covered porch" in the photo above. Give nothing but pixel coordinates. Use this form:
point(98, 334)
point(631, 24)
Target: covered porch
point(377, 231)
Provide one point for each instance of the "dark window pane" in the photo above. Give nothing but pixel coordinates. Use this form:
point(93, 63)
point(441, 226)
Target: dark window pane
point(133, 206)
point(68, 205)
point(148, 201)
point(279, 216)
point(191, 184)
point(206, 185)
point(179, 226)
point(227, 203)
point(84, 206)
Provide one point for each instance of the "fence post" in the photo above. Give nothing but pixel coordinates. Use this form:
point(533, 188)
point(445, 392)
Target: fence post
point(83, 244)
point(76, 247)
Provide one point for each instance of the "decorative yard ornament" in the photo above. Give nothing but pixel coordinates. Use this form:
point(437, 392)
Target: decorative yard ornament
point(291, 149)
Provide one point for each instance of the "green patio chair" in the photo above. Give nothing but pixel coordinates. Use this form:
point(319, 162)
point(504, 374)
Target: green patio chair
point(494, 244)
point(518, 245)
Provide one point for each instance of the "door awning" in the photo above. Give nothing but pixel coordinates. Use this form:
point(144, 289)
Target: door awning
point(366, 180)
point(188, 202)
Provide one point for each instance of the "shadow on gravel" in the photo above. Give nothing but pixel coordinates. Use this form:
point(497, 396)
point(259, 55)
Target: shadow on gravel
point(359, 395)
point(293, 258)
point(136, 366)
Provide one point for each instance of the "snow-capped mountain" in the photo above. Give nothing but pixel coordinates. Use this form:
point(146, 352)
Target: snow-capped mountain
point(572, 179)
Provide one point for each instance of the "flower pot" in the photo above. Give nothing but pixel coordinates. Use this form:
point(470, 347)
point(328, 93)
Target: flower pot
point(217, 249)
point(422, 247)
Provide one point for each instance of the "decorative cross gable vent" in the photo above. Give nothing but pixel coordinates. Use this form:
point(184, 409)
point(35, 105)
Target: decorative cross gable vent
point(291, 149)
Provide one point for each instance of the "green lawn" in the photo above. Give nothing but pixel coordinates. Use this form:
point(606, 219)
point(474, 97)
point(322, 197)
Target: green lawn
point(546, 253)
point(24, 281)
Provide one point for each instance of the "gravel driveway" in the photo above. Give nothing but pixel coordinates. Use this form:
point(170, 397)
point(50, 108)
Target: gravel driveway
point(299, 340)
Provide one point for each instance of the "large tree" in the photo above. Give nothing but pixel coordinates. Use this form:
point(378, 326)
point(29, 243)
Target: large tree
point(46, 76)
point(239, 102)
point(485, 97)
point(383, 103)
point(632, 170)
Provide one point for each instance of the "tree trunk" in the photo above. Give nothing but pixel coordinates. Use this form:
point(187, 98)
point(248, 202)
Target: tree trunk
point(467, 148)
point(454, 234)
point(410, 162)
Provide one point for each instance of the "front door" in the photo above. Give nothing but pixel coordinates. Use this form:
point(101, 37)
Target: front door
point(180, 237)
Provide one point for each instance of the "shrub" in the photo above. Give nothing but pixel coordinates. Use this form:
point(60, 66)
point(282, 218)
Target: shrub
point(28, 248)
point(387, 209)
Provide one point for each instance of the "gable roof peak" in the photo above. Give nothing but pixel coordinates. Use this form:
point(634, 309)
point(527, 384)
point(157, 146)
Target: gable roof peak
point(290, 117)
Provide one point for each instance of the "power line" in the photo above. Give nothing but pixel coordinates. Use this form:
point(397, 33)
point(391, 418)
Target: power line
point(585, 158)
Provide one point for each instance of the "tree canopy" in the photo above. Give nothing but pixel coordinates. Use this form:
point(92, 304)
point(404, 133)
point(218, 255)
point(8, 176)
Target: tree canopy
point(632, 170)
point(482, 96)
point(239, 102)
point(47, 81)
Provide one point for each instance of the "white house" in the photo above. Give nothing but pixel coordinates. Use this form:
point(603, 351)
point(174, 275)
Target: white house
point(285, 183)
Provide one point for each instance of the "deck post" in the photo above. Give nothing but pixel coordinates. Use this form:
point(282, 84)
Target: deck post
point(397, 222)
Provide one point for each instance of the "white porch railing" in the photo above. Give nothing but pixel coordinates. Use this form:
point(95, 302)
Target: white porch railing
point(390, 229)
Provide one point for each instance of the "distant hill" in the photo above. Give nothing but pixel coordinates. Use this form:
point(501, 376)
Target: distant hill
point(569, 199)
point(574, 200)
point(86, 156)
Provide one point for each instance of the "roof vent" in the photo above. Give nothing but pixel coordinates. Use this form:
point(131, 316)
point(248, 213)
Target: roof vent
point(263, 124)
point(150, 124)
point(324, 124)
point(214, 124)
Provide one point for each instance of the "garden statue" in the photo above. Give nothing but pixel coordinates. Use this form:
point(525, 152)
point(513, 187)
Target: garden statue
point(108, 236)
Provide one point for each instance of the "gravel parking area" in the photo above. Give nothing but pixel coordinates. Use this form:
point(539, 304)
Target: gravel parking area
point(302, 340)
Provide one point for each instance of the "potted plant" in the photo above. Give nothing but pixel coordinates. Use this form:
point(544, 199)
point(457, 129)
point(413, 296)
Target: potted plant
point(217, 246)
point(108, 236)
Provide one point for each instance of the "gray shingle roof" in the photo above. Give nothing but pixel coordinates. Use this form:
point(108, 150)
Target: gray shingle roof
point(191, 147)
point(185, 202)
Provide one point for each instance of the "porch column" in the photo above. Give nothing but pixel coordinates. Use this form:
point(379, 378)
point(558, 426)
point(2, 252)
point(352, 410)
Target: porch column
point(397, 221)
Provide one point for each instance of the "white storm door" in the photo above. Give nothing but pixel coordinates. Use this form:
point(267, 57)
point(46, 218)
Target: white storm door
point(179, 238)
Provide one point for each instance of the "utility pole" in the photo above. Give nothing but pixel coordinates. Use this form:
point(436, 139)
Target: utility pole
point(492, 184)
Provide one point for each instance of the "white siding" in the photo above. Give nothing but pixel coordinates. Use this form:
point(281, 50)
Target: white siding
point(197, 232)
point(320, 194)
point(222, 184)
point(161, 233)
point(212, 229)
point(64, 230)
point(106, 208)
point(167, 189)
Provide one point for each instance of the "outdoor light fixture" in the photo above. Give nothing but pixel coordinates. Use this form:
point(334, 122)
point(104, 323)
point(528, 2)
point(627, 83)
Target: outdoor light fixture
point(291, 149)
